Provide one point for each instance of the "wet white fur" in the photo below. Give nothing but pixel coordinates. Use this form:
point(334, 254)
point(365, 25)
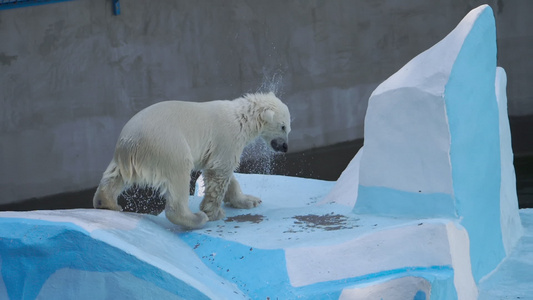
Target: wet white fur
point(163, 143)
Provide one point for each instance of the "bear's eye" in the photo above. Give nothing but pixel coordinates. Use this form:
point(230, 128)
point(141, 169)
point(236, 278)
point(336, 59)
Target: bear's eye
point(283, 127)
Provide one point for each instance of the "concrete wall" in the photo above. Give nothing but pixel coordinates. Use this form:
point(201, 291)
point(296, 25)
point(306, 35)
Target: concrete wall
point(72, 73)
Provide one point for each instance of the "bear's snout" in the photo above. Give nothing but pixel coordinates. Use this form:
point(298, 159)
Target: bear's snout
point(279, 145)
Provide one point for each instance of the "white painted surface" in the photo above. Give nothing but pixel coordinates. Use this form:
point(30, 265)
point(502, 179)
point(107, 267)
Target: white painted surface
point(413, 245)
point(459, 247)
point(344, 191)
point(399, 288)
point(410, 151)
point(509, 219)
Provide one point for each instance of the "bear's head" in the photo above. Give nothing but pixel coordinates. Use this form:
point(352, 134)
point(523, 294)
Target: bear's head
point(276, 123)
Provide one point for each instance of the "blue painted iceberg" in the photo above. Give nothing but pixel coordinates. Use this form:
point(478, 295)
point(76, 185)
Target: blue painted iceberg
point(426, 210)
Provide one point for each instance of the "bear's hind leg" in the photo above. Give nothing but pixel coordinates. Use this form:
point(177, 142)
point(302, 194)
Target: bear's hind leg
point(177, 208)
point(216, 184)
point(110, 187)
point(234, 196)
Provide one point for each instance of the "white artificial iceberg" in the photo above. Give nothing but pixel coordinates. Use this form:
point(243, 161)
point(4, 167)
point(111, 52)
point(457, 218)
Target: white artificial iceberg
point(432, 142)
point(426, 210)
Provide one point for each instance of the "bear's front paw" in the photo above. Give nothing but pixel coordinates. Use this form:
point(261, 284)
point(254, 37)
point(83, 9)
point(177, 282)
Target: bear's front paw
point(215, 214)
point(201, 219)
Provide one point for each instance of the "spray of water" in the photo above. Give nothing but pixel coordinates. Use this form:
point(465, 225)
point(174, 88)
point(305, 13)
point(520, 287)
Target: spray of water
point(258, 157)
point(272, 81)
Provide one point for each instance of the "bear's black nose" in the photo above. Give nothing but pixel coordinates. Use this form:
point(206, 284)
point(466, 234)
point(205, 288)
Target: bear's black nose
point(279, 145)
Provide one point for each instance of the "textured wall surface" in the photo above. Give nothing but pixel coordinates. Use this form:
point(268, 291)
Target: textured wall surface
point(72, 73)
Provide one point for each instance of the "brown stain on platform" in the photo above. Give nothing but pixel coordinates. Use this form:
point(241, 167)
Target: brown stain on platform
point(328, 222)
point(256, 219)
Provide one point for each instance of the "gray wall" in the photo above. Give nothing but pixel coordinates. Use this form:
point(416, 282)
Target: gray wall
point(72, 73)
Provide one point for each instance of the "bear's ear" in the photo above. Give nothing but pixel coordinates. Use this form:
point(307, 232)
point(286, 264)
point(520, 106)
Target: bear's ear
point(268, 115)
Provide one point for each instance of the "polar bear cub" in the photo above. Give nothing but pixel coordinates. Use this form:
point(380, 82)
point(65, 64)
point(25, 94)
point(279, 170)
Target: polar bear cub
point(163, 143)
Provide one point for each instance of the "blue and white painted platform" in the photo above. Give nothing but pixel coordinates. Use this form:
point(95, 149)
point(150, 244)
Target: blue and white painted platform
point(293, 246)
point(426, 210)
